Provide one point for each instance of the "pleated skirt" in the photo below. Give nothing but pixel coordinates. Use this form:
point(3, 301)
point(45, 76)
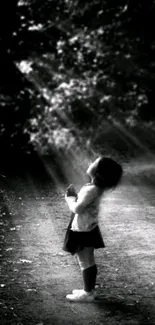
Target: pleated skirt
point(75, 241)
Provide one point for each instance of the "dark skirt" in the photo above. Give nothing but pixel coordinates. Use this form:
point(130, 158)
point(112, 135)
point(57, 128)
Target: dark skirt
point(76, 240)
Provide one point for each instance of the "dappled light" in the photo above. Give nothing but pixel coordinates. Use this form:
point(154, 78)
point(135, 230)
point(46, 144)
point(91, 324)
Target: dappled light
point(82, 95)
point(81, 73)
point(77, 81)
point(85, 79)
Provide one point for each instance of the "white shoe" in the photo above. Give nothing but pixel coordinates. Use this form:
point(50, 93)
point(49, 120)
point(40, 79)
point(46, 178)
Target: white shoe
point(81, 296)
point(76, 291)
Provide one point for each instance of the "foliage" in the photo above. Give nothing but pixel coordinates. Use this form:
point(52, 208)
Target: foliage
point(86, 62)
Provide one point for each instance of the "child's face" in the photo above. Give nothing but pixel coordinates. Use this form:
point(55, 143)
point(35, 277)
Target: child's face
point(92, 168)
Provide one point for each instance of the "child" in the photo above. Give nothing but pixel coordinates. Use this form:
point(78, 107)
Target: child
point(83, 234)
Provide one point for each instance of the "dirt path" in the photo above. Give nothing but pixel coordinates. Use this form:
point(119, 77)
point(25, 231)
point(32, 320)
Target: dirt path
point(36, 274)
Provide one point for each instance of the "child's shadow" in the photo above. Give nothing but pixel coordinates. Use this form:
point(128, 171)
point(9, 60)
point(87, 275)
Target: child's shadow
point(122, 308)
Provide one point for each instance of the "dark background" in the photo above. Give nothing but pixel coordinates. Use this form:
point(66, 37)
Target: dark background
point(76, 76)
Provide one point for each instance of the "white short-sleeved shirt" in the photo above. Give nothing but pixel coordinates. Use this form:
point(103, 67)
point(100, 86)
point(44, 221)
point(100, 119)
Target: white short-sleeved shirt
point(85, 207)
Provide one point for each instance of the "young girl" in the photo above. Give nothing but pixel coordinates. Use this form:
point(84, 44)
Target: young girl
point(83, 234)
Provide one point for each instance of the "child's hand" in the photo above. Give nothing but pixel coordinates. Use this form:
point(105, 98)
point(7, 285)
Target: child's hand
point(71, 191)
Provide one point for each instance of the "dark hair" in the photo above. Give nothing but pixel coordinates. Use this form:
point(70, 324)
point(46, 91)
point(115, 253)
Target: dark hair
point(108, 173)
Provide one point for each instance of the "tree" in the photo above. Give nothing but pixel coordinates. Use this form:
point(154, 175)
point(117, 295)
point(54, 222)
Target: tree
point(85, 62)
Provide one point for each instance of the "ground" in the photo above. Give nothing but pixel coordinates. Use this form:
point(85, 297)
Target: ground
point(36, 274)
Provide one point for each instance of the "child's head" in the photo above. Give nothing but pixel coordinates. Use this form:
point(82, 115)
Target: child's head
point(105, 172)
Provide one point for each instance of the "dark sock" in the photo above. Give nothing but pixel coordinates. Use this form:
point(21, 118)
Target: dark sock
point(94, 275)
point(89, 278)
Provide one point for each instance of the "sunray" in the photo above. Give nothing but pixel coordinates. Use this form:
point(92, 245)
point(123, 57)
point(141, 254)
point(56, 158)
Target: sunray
point(130, 138)
point(74, 162)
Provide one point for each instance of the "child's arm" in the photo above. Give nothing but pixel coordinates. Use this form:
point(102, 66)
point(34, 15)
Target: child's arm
point(84, 199)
